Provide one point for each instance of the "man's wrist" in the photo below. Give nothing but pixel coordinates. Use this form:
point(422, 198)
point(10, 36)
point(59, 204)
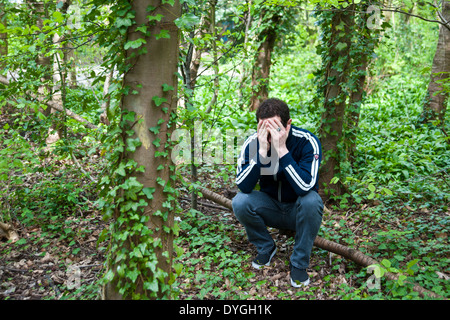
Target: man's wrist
point(262, 154)
point(282, 152)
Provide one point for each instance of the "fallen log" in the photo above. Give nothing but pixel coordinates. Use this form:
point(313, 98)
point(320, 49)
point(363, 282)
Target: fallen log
point(56, 106)
point(331, 246)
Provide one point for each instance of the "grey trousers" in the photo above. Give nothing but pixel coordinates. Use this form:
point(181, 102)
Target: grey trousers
point(256, 211)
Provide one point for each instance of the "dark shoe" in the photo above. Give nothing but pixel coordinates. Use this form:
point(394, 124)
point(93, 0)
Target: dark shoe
point(262, 260)
point(299, 277)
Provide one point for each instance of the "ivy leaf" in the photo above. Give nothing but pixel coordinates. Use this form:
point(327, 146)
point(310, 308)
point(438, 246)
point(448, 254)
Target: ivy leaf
point(158, 17)
point(132, 144)
point(152, 286)
point(134, 44)
point(158, 101)
point(386, 263)
point(401, 279)
point(132, 275)
point(157, 142)
point(148, 192)
point(154, 130)
point(166, 87)
point(187, 21)
point(121, 170)
point(123, 22)
point(163, 34)
point(341, 46)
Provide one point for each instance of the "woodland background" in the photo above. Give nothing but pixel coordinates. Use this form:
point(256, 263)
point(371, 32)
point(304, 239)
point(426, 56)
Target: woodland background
point(91, 92)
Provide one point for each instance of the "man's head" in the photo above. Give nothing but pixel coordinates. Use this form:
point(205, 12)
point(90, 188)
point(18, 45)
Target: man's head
point(271, 108)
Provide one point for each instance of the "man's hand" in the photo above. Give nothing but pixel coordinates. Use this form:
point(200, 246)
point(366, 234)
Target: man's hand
point(278, 134)
point(263, 138)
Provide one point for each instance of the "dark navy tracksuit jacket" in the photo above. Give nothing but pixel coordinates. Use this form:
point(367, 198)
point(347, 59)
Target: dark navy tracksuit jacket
point(286, 178)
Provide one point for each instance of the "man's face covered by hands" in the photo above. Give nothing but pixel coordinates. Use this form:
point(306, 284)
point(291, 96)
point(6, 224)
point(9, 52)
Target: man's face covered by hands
point(271, 132)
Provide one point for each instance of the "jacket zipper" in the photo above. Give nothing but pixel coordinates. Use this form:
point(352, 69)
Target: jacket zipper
point(279, 187)
point(279, 191)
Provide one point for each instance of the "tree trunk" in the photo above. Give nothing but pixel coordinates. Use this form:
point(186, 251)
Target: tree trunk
point(3, 42)
point(336, 76)
point(263, 61)
point(212, 25)
point(38, 12)
point(243, 72)
point(366, 42)
point(352, 118)
point(148, 79)
point(436, 104)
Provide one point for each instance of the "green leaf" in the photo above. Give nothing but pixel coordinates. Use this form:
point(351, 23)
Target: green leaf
point(158, 101)
point(154, 130)
point(163, 34)
point(148, 192)
point(187, 21)
point(178, 267)
point(386, 263)
point(123, 22)
point(132, 144)
point(341, 46)
point(166, 87)
point(134, 44)
point(401, 279)
point(132, 275)
point(121, 170)
point(158, 17)
point(156, 142)
point(58, 16)
point(21, 241)
point(151, 285)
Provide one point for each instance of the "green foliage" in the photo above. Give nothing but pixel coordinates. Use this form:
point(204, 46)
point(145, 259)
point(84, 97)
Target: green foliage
point(395, 208)
point(209, 261)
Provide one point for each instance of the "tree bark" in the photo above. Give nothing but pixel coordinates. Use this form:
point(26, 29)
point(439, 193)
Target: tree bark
point(212, 25)
point(436, 104)
point(336, 76)
point(149, 72)
point(38, 10)
point(263, 60)
point(352, 118)
point(3, 41)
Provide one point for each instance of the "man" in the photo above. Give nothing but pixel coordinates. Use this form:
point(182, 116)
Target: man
point(284, 160)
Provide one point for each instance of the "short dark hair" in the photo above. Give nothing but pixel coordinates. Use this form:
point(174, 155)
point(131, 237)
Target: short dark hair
point(273, 107)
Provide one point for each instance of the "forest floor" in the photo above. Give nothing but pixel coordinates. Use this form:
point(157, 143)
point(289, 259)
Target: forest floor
point(66, 262)
point(44, 266)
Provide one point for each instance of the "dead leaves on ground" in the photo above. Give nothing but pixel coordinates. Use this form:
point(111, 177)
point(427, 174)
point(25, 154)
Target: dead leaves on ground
point(44, 268)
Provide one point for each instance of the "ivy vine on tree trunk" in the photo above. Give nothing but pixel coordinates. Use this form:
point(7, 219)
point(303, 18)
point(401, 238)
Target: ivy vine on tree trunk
point(140, 193)
point(346, 48)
